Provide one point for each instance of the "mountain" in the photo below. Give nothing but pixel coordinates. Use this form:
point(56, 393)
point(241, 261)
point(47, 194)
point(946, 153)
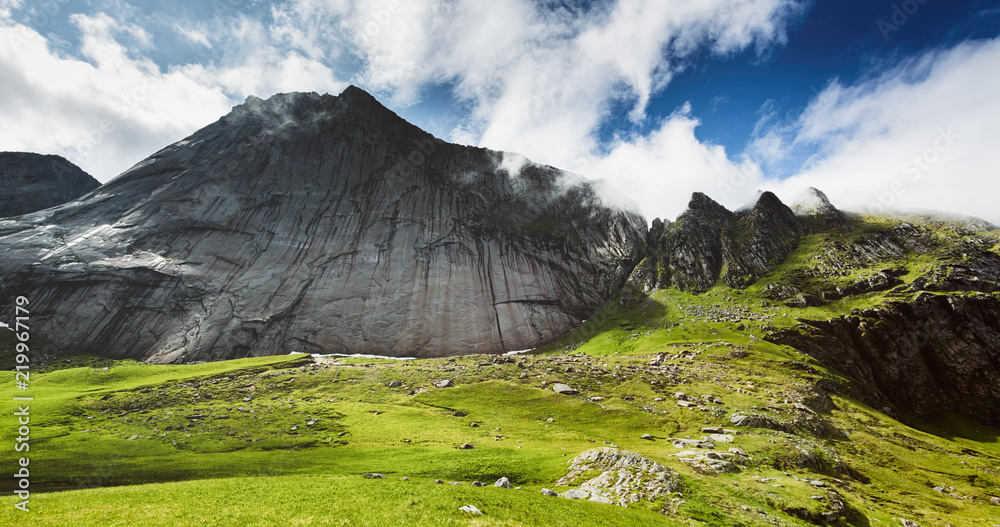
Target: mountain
point(708, 244)
point(319, 223)
point(910, 307)
point(33, 182)
point(327, 224)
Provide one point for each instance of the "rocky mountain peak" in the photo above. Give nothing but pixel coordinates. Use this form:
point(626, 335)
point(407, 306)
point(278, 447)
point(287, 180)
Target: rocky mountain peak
point(704, 206)
point(813, 204)
point(41, 182)
point(320, 223)
point(709, 243)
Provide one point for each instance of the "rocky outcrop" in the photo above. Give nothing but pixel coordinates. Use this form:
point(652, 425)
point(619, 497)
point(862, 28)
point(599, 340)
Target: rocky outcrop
point(937, 353)
point(625, 477)
point(319, 223)
point(33, 182)
point(708, 244)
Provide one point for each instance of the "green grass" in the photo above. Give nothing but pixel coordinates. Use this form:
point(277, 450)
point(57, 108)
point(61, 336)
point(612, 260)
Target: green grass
point(286, 440)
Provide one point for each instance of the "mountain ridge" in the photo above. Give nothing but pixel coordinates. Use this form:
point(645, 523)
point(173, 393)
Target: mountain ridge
point(319, 223)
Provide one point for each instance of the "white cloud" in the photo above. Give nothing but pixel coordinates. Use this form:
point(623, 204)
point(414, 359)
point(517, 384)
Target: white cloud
point(921, 135)
point(194, 35)
point(659, 173)
point(112, 107)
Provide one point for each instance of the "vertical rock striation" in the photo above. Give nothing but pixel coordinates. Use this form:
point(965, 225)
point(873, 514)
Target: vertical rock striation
point(319, 223)
point(708, 244)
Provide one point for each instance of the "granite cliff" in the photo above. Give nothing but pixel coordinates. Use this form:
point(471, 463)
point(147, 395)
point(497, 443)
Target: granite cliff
point(318, 223)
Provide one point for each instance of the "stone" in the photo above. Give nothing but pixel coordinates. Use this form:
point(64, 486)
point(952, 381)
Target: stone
point(625, 477)
point(599, 499)
point(444, 383)
point(995, 500)
point(299, 224)
point(477, 483)
point(373, 475)
point(575, 494)
point(563, 389)
point(503, 483)
point(721, 438)
point(466, 446)
point(646, 436)
point(470, 509)
point(713, 430)
point(909, 523)
point(459, 414)
point(474, 425)
point(395, 384)
point(404, 478)
point(439, 482)
point(547, 492)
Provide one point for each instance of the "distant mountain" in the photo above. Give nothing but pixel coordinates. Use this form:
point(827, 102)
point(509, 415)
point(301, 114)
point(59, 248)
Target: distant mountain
point(319, 223)
point(32, 182)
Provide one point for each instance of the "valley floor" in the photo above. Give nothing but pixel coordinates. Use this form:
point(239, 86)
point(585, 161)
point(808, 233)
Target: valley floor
point(288, 440)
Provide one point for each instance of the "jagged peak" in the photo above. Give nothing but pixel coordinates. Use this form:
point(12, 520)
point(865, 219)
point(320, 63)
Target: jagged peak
point(768, 201)
point(814, 202)
point(702, 204)
point(302, 105)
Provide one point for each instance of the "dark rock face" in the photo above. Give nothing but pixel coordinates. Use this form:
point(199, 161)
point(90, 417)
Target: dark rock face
point(708, 243)
point(319, 224)
point(33, 182)
point(938, 353)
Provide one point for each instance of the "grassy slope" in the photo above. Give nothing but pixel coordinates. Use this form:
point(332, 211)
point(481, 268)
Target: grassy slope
point(101, 447)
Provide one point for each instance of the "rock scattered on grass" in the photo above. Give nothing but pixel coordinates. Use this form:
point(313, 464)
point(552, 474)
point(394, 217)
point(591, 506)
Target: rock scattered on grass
point(503, 483)
point(470, 509)
point(995, 500)
point(563, 389)
point(373, 475)
point(547, 492)
point(466, 446)
point(575, 494)
point(646, 436)
point(445, 383)
point(477, 483)
point(438, 482)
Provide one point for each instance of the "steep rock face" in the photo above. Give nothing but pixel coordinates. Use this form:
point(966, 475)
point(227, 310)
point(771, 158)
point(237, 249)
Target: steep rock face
point(936, 353)
point(319, 224)
point(759, 240)
point(33, 182)
point(708, 243)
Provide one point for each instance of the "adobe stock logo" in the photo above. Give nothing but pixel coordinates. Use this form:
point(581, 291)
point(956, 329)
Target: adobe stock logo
point(914, 169)
point(900, 15)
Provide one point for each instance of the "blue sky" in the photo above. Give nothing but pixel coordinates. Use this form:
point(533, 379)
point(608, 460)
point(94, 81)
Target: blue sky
point(884, 104)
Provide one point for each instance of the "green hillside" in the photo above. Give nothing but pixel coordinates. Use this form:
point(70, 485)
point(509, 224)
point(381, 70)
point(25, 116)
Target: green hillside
point(288, 440)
